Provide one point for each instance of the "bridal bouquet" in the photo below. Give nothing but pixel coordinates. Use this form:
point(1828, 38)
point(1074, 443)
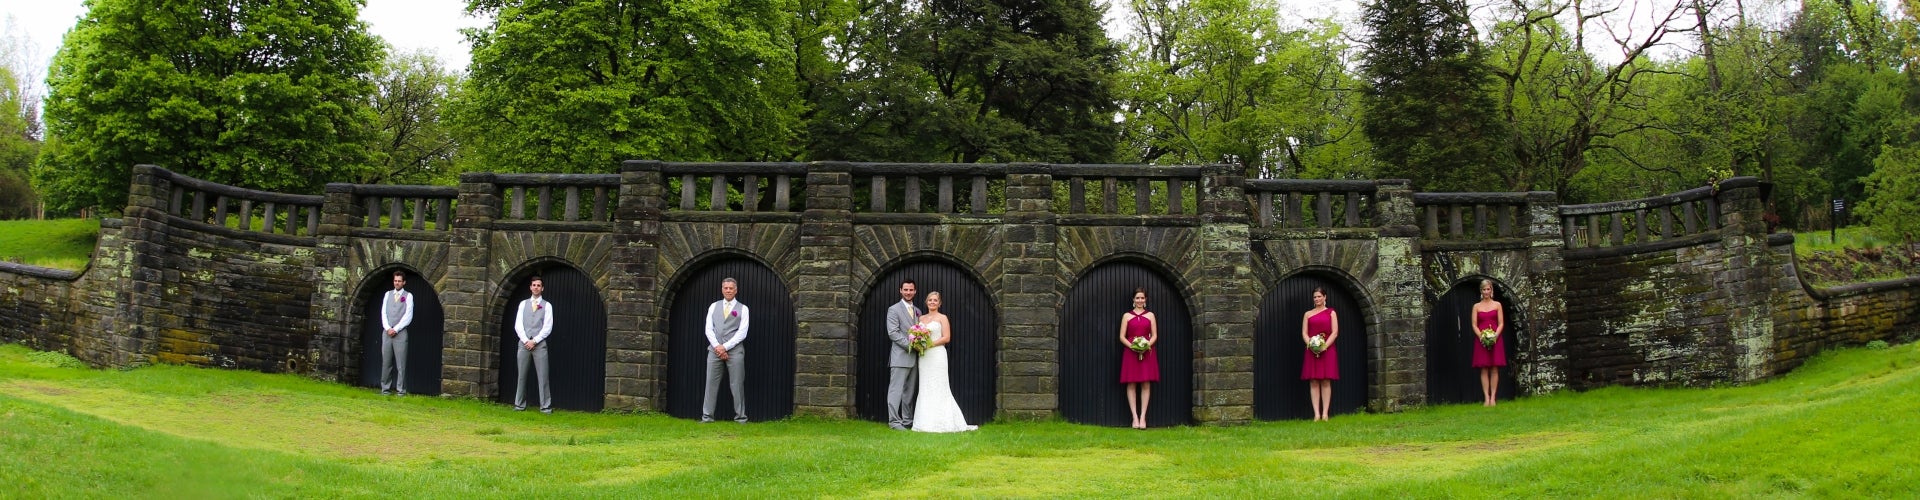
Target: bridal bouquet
point(1317, 344)
point(1140, 346)
point(919, 338)
point(1488, 337)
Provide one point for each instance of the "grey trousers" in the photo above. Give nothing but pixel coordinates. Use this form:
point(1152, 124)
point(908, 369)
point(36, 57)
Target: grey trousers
point(393, 362)
point(736, 371)
point(539, 357)
point(903, 384)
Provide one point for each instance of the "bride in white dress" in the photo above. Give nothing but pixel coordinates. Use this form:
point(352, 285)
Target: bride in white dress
point(935, 410)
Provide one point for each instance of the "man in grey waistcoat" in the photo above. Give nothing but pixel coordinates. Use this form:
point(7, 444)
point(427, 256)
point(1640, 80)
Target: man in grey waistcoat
point(396, 312)
point(902, 379)
point(533, 321)
point(726, 329)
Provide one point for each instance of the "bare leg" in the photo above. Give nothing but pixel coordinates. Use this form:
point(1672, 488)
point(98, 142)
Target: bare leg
point(1483, 387)
point(1133, 405)
point(1326, 399)
point(1493, 386)
point(1313, 398)
point(1146, 394)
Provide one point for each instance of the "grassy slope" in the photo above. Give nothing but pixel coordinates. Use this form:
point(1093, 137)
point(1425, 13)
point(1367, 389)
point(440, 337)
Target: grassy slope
point(58, 243)
point(1832, 428)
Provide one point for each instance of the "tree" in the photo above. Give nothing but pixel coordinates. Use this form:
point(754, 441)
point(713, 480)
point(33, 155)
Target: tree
point(1430, 111)
point(262, 94)
point(19, 129)
point(1564, 109)
point(970, 81)
point(580, 86)
point(412, 145)
point(1220, 81)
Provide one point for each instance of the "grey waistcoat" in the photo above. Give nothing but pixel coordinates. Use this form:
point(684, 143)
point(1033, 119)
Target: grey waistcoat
point(395, 309)
point(531, 319)
point(724, 325)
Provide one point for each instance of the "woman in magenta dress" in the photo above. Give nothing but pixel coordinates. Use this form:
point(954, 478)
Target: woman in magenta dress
point(1489, 314)
point(1139, 369)
point(1321, 369)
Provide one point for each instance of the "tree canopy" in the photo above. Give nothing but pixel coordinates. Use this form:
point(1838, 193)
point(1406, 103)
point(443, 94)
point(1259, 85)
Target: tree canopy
point(256, 93)
point(578, 86)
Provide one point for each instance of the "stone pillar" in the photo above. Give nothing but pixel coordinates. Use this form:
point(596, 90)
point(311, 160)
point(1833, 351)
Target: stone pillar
point(329, 357)
point(1029, 385)
point(823, 293)
point(1397, 357)
point(1541, 365)
point(1746, 278)
point(1225, 301)
point(143, 287)
point(636, 348)
point(469, 365)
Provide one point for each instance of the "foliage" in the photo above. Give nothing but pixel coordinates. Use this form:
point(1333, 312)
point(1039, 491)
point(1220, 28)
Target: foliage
point(262, 94)
point(1220, 81)
point(969, 81)
point(1832, 427)
point(56, 243)
point(1430, 115)
point(1892, 206)
point(413, 146)
point(17, 148)
point(19, 127)
point(580, 86)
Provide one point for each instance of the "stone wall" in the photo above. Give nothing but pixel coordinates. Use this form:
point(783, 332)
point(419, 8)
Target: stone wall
point(1719, 306)
point(1808, 319)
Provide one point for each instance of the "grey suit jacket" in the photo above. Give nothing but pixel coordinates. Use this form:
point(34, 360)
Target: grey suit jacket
point(899, 318)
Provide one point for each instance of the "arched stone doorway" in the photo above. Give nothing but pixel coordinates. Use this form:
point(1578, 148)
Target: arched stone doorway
point(1451, 377)
point(769, 348)
point(577, 348)
point(972, 361)
point(425, 334)
point(1090, 350)
point(1278, 392)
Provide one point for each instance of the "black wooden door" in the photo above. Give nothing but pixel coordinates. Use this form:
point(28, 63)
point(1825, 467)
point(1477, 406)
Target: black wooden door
point(1090, 350)
point(972, 364)
point(424, 334)
point(1278, 352)
point(1451, 377)
point(768, 348)
point(576, 349)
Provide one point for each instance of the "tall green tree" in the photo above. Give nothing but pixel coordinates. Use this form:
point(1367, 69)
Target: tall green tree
point(970, 81)
point(578, 86)
point(413, 145)
point(1221, 81)
point(19, 127)
point(18, 146)
point(1564, 109)
point(263, 94)
point(1430, 113)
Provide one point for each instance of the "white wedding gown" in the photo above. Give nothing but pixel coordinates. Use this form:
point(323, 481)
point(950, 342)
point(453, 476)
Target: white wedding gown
point(934, 410)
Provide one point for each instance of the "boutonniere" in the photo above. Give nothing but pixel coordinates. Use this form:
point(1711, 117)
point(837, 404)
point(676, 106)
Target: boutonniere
point(735, 313)
point(536, 305)
point(402, 298)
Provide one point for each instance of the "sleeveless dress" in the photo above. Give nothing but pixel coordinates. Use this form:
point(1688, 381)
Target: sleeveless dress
point(1132, 368)
point(1482, 356)
point(934, 409)
point(1326, 366)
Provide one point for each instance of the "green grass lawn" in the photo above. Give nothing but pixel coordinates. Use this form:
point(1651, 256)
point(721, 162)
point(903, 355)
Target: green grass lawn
point(1832, 428)
point(1805, 243)
point(56, 243)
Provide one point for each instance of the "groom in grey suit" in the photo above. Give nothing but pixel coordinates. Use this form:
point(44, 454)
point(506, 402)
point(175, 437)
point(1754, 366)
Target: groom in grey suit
point(902, 379)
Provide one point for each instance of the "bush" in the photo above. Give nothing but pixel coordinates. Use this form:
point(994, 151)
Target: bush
point(1877, 345)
